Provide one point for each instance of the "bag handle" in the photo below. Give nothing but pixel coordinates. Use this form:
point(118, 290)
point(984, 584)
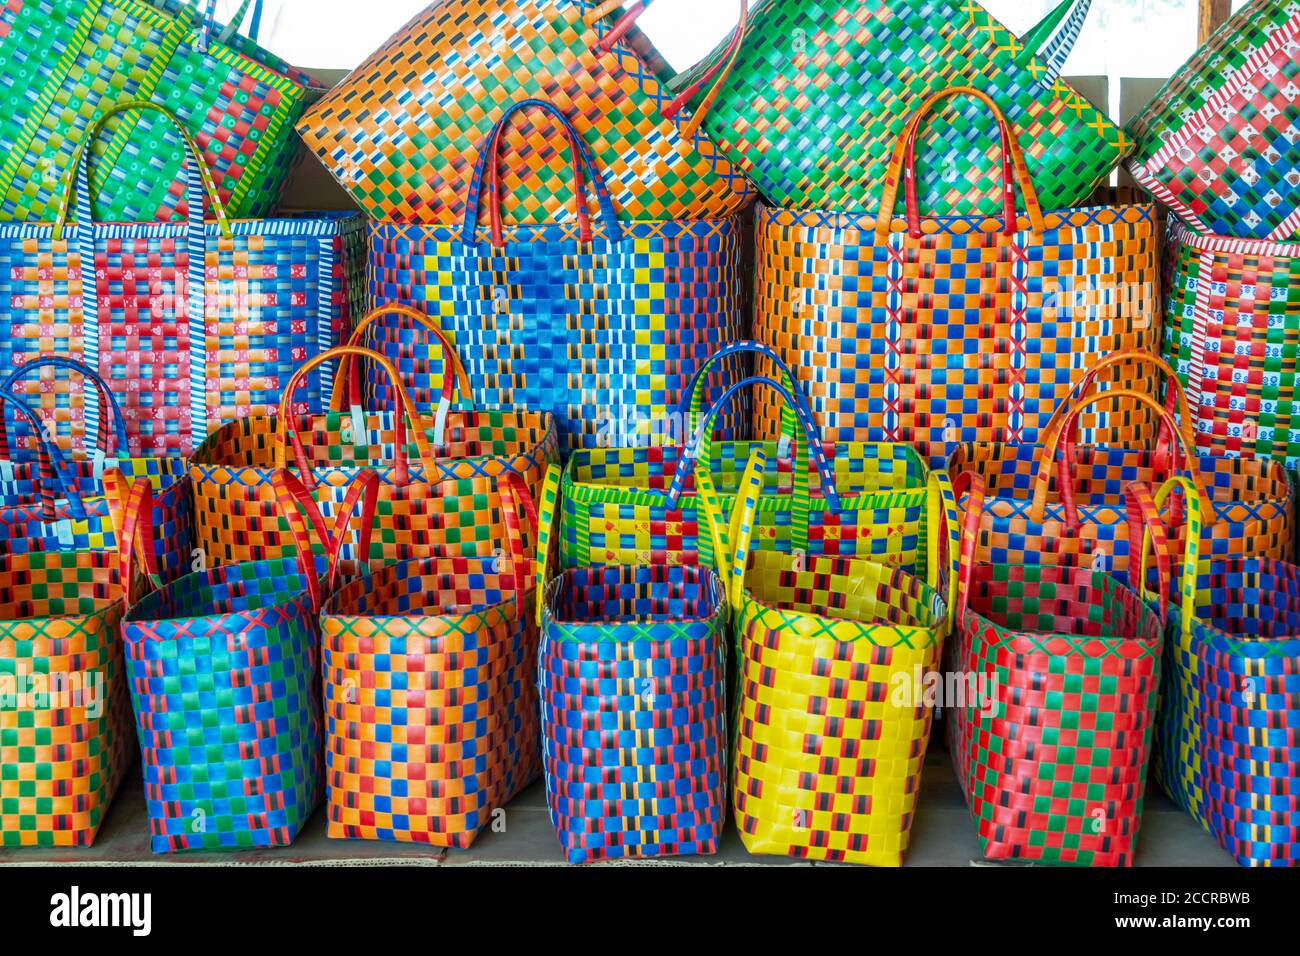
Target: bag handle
point(50, 465)
point(584, 172)
point(450, 358)
point(294, 501)
point(405, 413)
point(1053, 38)
point(943, 567)
point(1175, 397)
point(548, 515)
point(691, 406)
point(1191, 526)
point(514, 494)
point(133, 525)
point(1065, 436)
point(107, 402)
point(208, 21)
point(902, 170)
point(716, 73)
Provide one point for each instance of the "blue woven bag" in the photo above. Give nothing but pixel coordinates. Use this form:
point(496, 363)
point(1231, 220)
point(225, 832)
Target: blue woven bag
point(601, 322)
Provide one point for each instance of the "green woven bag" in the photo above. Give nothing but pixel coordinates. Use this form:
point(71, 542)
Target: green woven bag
point(822, 89)
point(64, 63)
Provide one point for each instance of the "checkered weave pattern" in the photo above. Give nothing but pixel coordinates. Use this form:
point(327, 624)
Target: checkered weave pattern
point(430, 700)
point(50, 503)
point(222, 669)
point(1232, 330)
point(65, 718)
point(822, 89)
point(828, 762)
point(964, 334)
point(633, 699)
point(67, 61)
point(405, 128)
point(431, 503)
point(605, 335)
point(1218, 143)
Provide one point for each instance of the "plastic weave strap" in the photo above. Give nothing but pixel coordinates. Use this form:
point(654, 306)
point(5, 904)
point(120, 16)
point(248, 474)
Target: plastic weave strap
point(295, 500)
point(199, 185)
point(744, 516)
point(801, 500)
point(458, 378)
point(548, 513)
point(902, 171)
point(971, 484)
point(136, 536)
point(51, 466)
point(104, 396)
point(1053, 38)
point(1144, 520)
point(1189, 600)
point(941, 505)
point(692, 403)
point(236, 20)
point(514, 494)
point(405, 413)
point(1175, 398)
point(582, 161)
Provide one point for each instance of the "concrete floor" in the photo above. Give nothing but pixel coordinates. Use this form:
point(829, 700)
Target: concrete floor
point(942, 835)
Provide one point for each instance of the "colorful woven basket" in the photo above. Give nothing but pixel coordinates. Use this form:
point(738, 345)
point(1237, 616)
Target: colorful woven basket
point(1060, 674)
point(1232, 319)
point(938, 331)
point(65, 719)
point(430, 692)
point(821, 90)
point(1230, 700)
point(639, 505)
point(224, 667)
point(1217, 144)
point(1063, 503)
point(68, 63)
point(599, 322)
point(271, 293)
point(48, 503)
point(633, 697)
point(832, 723)
point(438, 494)
point(404, 127)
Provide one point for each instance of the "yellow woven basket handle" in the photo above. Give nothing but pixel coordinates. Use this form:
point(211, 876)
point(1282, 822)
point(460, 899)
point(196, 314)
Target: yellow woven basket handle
point(547, 513)
point(1191, 551)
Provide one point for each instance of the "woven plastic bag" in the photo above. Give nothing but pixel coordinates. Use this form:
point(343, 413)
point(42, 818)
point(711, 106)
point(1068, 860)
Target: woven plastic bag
point(633, 696)
point(1232, 317)
point(936, 331)
point(1217, 144)
point(191, 323)
point(430, 667)
point(1231, 700)
point(438, 474)
point(1063, 502)
point(450, 75)
point(599, 322)
point(50, 503)
point(832, 727)
point(65, 718)
point(822, 88)
point(223, 667)
point(1060, 669)
point(638, 505)
point(69, 62)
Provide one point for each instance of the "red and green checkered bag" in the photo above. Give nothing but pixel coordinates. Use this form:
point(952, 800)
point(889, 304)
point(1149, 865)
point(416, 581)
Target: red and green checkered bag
point(64, 63)
point(821, 90)
point(1060, 674)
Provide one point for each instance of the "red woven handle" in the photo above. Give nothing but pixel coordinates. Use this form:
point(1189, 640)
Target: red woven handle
point(135, 535)
point(1143, 517)
point(968, 482)
point(450, 357)
point(514, 493)
point(494, 184)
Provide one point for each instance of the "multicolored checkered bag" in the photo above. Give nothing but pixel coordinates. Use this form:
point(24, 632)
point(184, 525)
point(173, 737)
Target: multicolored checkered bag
point(1062, 503)
point(271, 293)
point(1232, 319)
point(633, 697)
point(1231, 694)
point(1060, 673)
point(821, 90)
point(833, 723)
point(430, 692)
point(402, 129)
point(223, 667)
point(939, 331)
point(65, 719)
point(638, 505)
point(601, 323)
point(438, 495)
point(48, 503)
point(67, 63)
point(1217, 145)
